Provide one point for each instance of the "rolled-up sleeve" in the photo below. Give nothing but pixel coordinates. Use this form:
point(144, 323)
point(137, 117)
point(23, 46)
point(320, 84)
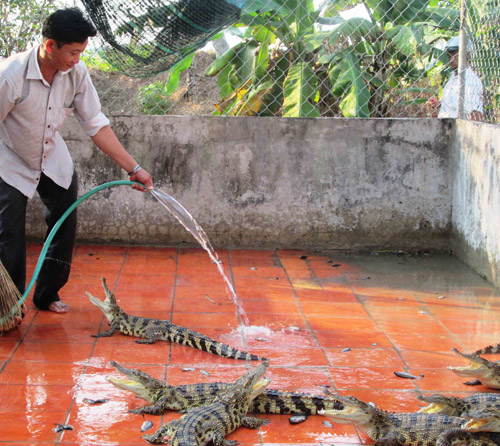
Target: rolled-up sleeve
point(7, 98)
point(88, 108)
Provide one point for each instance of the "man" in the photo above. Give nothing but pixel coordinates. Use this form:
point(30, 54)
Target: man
point(39, 88)
point(473, 96)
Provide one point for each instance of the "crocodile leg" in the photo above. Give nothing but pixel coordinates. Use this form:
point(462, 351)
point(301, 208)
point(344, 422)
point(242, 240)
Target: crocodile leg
point(460, 437)
point(152, 335)
point(253, 422)
point(157, 408)
point(146, 341)
point(107, 333)
point(164, 431)
point(400, 439)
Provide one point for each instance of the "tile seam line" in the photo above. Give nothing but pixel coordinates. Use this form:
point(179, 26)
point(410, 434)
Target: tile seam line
point(396, 350)
point(438, 319)
point(20, 341)
point(86, 365)
point(306, 320)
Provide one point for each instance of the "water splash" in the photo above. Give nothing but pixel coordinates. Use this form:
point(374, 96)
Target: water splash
point(187, 220)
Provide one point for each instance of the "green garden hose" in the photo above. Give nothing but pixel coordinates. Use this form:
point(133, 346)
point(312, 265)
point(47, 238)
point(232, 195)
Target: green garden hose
point(58, 224)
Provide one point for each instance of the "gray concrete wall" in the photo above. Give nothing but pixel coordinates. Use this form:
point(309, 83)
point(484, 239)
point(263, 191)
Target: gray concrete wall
point(476, 197)
point(267, 182)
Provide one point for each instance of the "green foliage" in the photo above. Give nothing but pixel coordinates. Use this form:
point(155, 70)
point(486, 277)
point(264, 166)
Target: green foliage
point(21, 24)
point(359, 63)
point(94, 60)
point(153, 99)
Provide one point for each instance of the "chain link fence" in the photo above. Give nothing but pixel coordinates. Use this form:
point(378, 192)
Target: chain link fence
point(299, 58)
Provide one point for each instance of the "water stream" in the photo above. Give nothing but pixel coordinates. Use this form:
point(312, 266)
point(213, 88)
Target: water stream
point(187, 220)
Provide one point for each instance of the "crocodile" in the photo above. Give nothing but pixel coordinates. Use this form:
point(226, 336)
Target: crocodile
point(214, 421)
point(152, 330)
point(457, 407)
point(486, 372)
point(389, 428)
point(162, 396)
point(481, 428)
point(488, 350)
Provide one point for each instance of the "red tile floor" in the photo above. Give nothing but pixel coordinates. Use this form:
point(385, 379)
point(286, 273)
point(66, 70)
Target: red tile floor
point(347, 321)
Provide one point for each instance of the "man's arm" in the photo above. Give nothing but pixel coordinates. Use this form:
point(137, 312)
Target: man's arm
point(107, 141)
point(7, 98)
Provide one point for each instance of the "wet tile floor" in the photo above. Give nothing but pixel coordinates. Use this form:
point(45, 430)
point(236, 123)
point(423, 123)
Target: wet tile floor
point(347, 321)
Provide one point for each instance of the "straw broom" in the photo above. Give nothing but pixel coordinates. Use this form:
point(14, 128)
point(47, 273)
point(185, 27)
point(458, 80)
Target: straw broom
point(11, 310)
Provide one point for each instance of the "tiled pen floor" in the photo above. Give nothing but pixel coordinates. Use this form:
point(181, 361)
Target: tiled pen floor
point(347, 321)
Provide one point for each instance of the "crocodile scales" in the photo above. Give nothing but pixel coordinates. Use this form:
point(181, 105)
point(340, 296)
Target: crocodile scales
point(156, 329)
point(488, 350)
point(214, 421)
point(481, 428)
point(162, 396)
point(389, 428)
point(458, 407)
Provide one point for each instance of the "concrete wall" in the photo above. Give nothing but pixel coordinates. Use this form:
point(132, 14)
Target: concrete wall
point(476, 197)
point(267, 182)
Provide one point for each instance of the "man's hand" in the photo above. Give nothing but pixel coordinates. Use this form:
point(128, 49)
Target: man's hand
point(434, 104)
point(143, 177)
point(476, 116)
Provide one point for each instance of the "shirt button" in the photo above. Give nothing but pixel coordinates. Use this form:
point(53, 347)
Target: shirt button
point(44, 156)
point(37, 179)
point(46, 142)
point(50, 108)
point(48, 126)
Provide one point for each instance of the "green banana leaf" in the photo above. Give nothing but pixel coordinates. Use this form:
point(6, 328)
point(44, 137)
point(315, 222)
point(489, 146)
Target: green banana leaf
point(405, 38)
point(299, 90)
point(175, 72)
point(347, 80)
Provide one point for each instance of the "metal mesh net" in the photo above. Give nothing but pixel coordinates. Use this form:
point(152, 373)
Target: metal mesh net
point(145, 37)
point(295, 58)
point(482, 31)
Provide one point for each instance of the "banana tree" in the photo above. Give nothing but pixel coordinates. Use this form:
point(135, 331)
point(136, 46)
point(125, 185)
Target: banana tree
point(290, 63)
point(386, 53)
point(271, 72)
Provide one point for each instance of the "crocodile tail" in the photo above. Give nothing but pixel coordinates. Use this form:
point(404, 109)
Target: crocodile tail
point(225, 350)
point(490, 349)
point(206, 344)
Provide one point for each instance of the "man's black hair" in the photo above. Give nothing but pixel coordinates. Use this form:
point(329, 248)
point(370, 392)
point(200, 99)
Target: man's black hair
point(68, 26)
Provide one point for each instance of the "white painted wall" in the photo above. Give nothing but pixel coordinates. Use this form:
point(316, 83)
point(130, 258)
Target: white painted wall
point(476, 197)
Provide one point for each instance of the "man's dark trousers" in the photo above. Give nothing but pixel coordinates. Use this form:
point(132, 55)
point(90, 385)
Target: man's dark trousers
point(55, 270)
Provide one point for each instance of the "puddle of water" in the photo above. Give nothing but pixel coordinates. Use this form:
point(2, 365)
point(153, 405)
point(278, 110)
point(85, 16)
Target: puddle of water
point(190, 224)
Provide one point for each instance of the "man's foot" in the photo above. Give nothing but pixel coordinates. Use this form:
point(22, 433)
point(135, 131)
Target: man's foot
point(58, 307)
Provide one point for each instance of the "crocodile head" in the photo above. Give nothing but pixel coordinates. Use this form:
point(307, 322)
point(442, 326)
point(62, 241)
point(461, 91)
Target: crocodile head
point(482, 421)
point(109, 306)
point(446, 405)
point(143, 385)
point(246, 388)
point(366, 417)
point(488, 372)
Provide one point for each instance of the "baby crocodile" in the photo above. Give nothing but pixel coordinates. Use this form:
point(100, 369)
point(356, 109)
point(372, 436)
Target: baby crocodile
point(481, 428)
point(458, 407)
point(392, 429)
point(487, 372)
point(162, 396)
point(156, 329)
point(214, 421)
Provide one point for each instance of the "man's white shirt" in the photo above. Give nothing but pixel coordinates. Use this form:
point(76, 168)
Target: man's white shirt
point(473, 97)
point(31, 114)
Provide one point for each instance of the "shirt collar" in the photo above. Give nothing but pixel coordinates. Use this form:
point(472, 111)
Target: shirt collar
point(33, 71)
